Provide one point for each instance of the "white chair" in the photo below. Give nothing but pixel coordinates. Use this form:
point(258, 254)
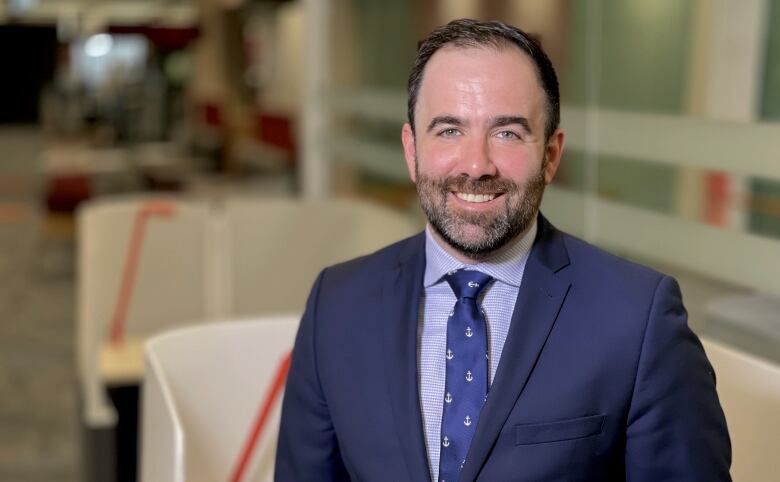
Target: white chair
point(172, 285)
point(276, 247)
point(202, 392)
point(257, 256)
point(749, 391)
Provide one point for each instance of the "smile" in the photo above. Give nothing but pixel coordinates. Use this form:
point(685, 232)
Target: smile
point(475, 198)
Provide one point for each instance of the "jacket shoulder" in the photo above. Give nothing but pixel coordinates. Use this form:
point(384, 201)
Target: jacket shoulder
point(610, 269)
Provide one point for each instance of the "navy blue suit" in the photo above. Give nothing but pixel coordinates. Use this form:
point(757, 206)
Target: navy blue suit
point(600, 377)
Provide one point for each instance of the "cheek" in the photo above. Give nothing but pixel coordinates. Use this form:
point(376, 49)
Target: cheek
point(438, 160)
point(517, 168)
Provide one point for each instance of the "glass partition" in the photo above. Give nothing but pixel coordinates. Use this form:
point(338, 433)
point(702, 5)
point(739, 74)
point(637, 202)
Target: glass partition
point(668, 110)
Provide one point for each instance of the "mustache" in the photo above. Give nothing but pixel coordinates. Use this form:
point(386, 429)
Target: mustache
point(483, 185)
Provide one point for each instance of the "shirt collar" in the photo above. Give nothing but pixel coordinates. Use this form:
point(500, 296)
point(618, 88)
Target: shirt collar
point(507, 267)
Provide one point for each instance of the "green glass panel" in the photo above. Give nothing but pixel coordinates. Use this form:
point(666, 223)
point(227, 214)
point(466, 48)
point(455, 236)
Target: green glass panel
point(386, 42)
point(770, 107)
point(765, 212)
point(644, 47)
point(637, 183)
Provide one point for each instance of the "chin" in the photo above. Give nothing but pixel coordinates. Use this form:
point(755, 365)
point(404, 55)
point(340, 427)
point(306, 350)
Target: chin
point(474, 242)
point(472, 235)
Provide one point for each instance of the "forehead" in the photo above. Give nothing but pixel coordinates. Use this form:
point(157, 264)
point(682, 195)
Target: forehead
point(480, 77)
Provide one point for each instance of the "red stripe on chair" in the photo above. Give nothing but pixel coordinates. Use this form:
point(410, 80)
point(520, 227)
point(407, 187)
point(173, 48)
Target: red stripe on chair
point(147, 210)
point(271, 397)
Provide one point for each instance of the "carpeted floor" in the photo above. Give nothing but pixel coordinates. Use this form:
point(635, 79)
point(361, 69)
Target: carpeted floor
point(38, 404)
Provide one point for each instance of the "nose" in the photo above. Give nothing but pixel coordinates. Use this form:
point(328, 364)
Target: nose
point(477, 161)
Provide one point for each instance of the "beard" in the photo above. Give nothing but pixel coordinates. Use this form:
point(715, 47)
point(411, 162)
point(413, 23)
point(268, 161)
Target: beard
point(480, 235)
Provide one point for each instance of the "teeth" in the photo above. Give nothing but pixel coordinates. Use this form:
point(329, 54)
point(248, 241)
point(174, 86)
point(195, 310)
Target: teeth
point(475, 198)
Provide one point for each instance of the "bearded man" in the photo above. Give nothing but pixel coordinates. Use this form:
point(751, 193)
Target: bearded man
point(492, 346)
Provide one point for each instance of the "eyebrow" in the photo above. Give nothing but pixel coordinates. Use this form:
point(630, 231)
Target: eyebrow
point(444, 119)
point(499, 121)
point(506, 120)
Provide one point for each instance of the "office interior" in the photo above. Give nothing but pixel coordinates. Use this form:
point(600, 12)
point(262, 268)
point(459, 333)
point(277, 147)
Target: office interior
point(283, 116)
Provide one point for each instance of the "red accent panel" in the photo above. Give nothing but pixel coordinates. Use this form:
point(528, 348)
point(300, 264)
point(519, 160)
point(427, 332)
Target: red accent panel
point(65, 192)
point(211, 113)
point(717, 196)
point(164, 38)
point(275, 130)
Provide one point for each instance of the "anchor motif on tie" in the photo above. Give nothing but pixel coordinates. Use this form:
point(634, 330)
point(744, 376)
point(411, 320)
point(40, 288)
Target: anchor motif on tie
point(469, 376)
point(473, 284)
point(445, 442)
point(448, 398)
point(469, 333)
point(449, 354)
point(467, 421)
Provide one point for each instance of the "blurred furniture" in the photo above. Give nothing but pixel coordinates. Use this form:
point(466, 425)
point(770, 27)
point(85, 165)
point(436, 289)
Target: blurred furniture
point(64, 192)
point(170, 286)
point(270, 147)
point(201, 394)
point(749, 391)
point(147, 264)
point(274, 248)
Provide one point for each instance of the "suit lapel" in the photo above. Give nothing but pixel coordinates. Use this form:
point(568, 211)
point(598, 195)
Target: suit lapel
point(401, 291)
point(539, 301)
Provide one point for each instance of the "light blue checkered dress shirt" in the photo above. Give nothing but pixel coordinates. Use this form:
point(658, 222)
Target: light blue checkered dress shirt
point(498, 302)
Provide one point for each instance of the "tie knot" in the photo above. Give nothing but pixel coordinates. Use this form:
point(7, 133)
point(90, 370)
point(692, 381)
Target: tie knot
point(468, 283)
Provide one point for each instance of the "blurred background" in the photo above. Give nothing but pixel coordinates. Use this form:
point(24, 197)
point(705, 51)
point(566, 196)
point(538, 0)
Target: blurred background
point(669, 107)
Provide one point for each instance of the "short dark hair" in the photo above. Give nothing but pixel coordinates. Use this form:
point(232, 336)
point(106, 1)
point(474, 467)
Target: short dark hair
point(473, 33)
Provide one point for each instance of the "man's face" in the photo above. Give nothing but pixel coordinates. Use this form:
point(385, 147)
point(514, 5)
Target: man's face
point(479, 158)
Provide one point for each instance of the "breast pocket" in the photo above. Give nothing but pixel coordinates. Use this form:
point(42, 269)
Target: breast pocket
point(558, 431)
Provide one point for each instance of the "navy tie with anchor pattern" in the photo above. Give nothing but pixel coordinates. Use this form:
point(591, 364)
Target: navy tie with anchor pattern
point(467, 371)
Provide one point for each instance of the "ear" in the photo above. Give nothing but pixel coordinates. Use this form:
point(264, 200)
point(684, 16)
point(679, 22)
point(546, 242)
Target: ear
point(410, 151)
point(553, 152)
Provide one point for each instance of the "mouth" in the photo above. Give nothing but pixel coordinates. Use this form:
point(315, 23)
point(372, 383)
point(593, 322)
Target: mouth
point(476, 198)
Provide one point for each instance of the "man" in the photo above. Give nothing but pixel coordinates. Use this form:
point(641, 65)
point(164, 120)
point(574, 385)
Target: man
point(492, 346)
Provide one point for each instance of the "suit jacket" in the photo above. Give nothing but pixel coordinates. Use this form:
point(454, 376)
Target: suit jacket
point(600, 377)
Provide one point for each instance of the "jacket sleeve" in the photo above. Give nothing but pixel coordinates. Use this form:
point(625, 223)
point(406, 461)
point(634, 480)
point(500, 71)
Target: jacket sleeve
point(676, 428)
point(307, 449)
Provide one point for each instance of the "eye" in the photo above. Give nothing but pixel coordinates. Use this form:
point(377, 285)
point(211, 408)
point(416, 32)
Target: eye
point(509, 135)
point(449, 132)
